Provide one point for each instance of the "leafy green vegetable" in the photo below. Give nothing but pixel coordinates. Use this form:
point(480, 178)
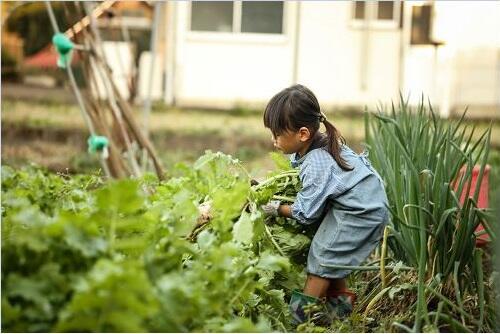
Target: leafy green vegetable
point(82, 255)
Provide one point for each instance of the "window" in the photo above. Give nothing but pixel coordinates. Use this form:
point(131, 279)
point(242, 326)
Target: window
point(239, 17)
point(212, 16)
point(359, 10)
point(262, 17)
point(421, 25)
point(385, 10)
point(379, 12)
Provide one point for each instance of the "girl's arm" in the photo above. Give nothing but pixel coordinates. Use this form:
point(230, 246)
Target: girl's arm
point(285, 211)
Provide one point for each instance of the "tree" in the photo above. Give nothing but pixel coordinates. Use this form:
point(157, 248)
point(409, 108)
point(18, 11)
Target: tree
point(31, 22)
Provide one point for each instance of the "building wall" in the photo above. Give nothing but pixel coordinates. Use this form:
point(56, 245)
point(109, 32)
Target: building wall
point(334, 61)
point(471, 31)
point(344, 63)
point(465, 70)
point(224, 70)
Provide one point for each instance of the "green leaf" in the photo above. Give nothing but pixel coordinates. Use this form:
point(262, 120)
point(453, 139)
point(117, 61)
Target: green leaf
point(206, 239)
point(394, 290)
point(121, 196)
point(273, 262)
point(243, 229)
point(281, 161)
point(113, 297)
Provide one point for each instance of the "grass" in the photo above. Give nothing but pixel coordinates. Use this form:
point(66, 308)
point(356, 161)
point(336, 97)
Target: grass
point(185, 126)
point(181, 121)
point(225, 123)
point(180, 135)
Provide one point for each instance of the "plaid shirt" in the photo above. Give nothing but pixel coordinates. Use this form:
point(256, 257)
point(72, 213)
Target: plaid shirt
point(324, 182)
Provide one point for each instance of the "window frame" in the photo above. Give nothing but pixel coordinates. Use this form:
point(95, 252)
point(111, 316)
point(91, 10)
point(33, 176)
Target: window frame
point(236, 35)
point(371, 14)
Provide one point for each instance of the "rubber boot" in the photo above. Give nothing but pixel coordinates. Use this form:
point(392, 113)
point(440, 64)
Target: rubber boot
point(341, 303)
point(297, 303)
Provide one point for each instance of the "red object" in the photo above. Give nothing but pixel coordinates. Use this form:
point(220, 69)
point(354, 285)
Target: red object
point(482, 200)
point(46, 58)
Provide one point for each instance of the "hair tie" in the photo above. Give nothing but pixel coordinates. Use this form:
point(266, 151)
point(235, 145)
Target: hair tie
point(322, 117)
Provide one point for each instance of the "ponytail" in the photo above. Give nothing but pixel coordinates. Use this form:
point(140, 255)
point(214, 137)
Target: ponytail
point(334, 141)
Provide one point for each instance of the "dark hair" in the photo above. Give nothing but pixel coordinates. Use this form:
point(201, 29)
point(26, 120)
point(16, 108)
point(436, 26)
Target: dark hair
point(295, 107)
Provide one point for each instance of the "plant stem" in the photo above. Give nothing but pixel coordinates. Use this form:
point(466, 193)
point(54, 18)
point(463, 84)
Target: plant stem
point(284, 198)
point(382, 258)
point(274, 178)
point(273, 241)
point(453, 306)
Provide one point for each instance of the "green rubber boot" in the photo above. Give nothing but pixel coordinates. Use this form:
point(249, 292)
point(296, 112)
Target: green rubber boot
point(341, 304)
point(297, 303)
point(319, 309)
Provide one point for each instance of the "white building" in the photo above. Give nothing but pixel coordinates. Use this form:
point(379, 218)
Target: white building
point(351, 54)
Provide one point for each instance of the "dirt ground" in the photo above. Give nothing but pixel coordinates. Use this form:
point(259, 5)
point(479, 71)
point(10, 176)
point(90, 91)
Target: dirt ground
point(54, 135)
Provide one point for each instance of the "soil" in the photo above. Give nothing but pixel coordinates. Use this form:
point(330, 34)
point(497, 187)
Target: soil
point(60, 149)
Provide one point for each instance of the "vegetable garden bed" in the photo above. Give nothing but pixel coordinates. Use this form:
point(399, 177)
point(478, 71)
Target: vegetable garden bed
point(83, 254)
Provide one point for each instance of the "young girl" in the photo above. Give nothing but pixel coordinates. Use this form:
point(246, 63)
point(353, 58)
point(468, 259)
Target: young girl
point(339, 188)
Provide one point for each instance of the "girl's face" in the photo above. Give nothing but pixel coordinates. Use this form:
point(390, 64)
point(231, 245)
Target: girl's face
point(293, 141)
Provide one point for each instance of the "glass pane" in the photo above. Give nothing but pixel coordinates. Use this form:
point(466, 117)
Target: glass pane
point(385, 10)
point(262, 17)
point(359, 10)
point(420, 24)
point(212, 16)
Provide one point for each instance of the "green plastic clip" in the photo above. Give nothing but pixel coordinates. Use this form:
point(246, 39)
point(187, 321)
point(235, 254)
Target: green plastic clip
point(97, 143)
point(64, 46)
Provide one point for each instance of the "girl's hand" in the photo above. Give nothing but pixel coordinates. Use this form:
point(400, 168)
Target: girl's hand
point(205, 210)
point(285, 210)
point(271, 208)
